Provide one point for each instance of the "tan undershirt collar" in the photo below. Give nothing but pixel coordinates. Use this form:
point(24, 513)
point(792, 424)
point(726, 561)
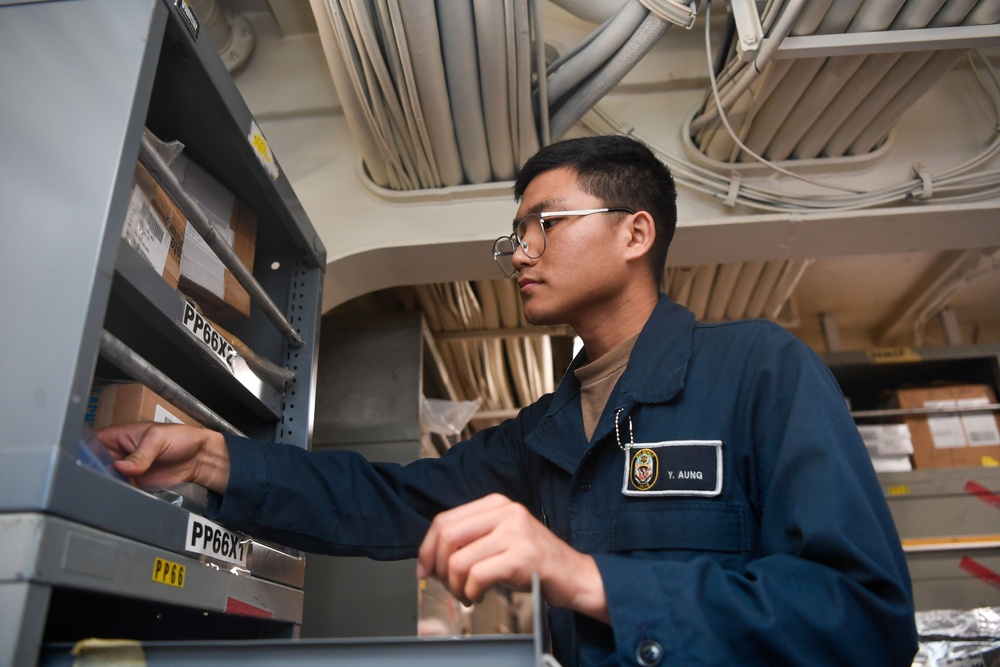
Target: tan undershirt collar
point(597, 379)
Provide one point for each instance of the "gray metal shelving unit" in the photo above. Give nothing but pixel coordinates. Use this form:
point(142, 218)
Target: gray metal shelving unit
point(80, 81)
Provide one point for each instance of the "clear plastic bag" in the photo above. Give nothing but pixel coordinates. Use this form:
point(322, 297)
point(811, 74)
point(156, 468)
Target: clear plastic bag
point(446, 418)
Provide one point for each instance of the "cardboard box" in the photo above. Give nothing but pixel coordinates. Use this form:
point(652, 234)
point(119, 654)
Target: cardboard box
point(154, 226)
point(132, 402)
point(949, 440)
point(202, 274)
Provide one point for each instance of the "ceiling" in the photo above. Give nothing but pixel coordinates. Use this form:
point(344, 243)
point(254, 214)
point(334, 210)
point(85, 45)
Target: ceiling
point(854, 279)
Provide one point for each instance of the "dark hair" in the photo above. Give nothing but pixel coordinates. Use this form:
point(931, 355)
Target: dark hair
point(619, 170)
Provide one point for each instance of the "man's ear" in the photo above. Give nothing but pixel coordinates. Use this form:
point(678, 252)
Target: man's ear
point(642, 233)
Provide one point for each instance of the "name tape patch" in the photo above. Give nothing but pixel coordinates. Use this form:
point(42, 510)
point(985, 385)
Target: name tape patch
point(673, 468)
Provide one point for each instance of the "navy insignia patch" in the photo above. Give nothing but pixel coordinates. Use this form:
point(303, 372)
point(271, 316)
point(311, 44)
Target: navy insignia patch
point(644, 469)
point(673, 468)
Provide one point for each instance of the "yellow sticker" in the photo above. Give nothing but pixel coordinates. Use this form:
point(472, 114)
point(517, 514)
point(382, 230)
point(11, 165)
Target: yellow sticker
point(166, 572)
point(901, 490)
point(893, 355)
point(262, 150)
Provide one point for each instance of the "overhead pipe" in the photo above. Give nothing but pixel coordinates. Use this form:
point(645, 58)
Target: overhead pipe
point(781, 29)
point(582, 44)
point(492, 58)
point(737, 307)
point(405, 153)
point(458, 44)
point(592, 11)
point(600, 49)
point(230, 33)
point(354, 112)
point(526, 130)
point(545, 138)
point(722, 291)
point(598, 85)
point(423, 40)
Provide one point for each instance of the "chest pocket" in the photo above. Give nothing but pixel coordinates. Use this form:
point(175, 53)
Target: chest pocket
point(657, 525)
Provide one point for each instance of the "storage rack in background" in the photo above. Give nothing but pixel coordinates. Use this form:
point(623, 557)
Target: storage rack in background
point(948, 518)
point(81, 81)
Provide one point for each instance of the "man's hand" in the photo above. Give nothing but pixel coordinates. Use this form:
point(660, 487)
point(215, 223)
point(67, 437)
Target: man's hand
point(162, 455)
point(494, 540)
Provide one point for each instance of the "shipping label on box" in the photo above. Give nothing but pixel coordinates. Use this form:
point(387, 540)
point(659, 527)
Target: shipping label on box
point(980, 427)
point(203, 275)
point(892, 463)
point(956, 439)
point(887, 439)
point(154, 226)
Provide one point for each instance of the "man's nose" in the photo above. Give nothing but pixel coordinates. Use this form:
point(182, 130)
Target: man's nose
point(520, 258)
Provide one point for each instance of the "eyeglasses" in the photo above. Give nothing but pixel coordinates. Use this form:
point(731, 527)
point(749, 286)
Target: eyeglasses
point(529, 235)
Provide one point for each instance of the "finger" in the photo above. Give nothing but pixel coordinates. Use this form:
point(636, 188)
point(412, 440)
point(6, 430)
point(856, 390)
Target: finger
point(455, 533)
point(505, 567)
point(427, 555)
point(518, 540)
point(121, 439)
point(467, 560)
point(151, 444)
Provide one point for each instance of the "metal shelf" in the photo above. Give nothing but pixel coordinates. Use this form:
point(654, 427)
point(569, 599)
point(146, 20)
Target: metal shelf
point(94, 73)
point(522, 650)
point(497, 651)
point(50, 551)
point(864, 377)
point(910, 412)
point(948, 520)
point(148, 316)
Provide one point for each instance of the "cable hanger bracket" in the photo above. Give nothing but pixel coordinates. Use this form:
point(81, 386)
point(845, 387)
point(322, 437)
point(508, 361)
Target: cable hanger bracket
point(735, 181)
point(923, 173)
point(673, 11)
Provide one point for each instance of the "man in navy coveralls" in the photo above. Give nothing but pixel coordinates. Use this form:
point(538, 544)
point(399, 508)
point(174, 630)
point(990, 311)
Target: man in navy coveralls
point(691, 494)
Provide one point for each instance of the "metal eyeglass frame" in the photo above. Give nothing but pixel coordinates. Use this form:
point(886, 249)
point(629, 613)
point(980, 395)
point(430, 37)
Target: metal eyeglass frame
point(544, 222)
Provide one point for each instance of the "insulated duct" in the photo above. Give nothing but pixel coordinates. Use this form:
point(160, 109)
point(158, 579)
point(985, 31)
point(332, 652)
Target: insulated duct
point(442, 94)
point(608, 76)
point(722, 292)
point(566, 73)
point(433, 99)
point(230, 33)
point(829, 106)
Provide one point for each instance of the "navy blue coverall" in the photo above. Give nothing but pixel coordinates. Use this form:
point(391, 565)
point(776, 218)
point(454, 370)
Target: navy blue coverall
point(764, 539)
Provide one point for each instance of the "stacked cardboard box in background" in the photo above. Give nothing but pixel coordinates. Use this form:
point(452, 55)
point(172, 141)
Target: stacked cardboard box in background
point(164, 237)
point(948, 440)
point(202, 274)
point(889, 446)
point(154, 226)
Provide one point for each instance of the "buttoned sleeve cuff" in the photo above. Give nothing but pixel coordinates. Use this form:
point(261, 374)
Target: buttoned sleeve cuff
point(641, 613)
point(248, 485)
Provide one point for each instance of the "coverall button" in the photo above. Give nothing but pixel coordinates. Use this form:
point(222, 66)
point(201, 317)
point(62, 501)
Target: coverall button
point(649, 653)
point(585, 487)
